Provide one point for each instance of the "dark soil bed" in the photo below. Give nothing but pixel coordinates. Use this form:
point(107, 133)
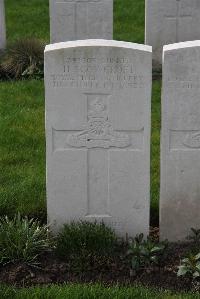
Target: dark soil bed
point(108, 271)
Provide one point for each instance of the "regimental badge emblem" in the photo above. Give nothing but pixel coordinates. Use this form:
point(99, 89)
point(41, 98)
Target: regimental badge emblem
point(99, 131)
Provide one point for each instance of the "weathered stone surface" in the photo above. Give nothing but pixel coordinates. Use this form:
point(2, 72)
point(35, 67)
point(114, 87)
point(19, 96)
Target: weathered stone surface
point(2, 26)
point(98, 99)
point(180, 142)
point(80, 19)
point(171, 21)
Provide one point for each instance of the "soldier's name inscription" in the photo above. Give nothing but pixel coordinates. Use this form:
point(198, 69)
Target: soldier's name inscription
point(112, 72)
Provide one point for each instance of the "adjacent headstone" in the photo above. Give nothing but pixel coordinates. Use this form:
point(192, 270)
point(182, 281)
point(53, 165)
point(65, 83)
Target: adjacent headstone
point(98, 106)
point(80, 19)
point(180, 143)
point(171, 21)
point(2, 26)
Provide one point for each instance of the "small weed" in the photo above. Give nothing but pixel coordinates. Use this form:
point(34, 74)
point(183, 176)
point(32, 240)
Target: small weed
point(85, 238)
point(194, 236)
point(145, 253)
point(24, 59)
point(190, 266)
point(22, 240)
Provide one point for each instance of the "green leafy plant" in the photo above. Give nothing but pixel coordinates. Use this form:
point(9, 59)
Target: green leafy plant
point(85, 238)
point(135, 253)
point(22, 240)
point(145, 253)
point(190, 266)
point(24, 59)
point(194, 236)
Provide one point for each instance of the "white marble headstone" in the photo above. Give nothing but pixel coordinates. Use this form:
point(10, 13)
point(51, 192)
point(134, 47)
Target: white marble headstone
point(2, 26)
point(180, 142)
point(171, 21)
point(98, 106)
point(80, 19)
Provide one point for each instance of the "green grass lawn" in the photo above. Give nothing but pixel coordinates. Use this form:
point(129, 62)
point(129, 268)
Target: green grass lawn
point(22, 150)
point(129, 16)
point(29, 18)
point(89, 292)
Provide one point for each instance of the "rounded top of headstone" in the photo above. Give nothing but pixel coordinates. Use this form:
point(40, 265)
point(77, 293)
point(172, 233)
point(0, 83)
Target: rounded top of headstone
point(176, 46)
point(98, 43)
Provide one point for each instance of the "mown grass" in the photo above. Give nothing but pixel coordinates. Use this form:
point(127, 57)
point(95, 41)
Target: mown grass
point(27, 18)
point(89, 292)
point(22, 148)
point(155, 151)
point(129, 18)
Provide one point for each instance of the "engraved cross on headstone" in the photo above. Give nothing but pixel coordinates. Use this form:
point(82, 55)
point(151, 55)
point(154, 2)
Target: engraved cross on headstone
point(83, 25)
point(98, 139)
point(178, 16)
